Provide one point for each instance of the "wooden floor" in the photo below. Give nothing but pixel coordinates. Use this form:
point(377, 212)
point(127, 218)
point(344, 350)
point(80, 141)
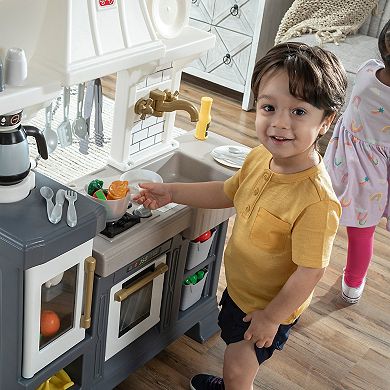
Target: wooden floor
point(334, 345)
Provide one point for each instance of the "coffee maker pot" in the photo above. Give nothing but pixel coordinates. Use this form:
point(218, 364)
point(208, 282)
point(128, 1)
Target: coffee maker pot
point(14, 153)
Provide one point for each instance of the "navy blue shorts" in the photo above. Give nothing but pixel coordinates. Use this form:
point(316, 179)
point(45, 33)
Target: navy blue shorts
point(233, 328)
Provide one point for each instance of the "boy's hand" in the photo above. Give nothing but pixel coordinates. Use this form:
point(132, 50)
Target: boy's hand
point(153, 195)
point(262, 329)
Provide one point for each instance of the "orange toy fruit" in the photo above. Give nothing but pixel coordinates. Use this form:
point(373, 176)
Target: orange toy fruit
point(118, 189)
point(50, 323)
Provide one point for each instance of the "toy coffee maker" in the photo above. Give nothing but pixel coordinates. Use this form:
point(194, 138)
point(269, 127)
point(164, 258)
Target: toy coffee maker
point(16, 176)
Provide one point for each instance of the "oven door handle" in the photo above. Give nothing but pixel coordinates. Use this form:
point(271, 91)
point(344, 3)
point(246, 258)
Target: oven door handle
point(89, 266)
point(121, 295)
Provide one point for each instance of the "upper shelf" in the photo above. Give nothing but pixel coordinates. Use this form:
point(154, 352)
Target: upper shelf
point(39, 87)
point(71, 41)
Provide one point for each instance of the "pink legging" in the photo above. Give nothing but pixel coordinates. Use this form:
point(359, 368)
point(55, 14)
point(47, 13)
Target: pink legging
point(360, 250)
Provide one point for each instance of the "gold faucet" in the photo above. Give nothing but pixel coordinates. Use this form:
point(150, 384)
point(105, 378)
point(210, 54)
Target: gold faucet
point(159, 102)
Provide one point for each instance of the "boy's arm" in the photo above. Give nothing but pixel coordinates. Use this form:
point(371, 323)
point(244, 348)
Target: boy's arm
point(207, 195)
point(295, 291)
point(265, 323)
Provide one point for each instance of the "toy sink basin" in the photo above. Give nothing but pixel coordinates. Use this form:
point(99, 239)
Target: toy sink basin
point(180, 167)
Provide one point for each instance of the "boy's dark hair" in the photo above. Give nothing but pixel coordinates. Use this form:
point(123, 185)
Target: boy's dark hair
point(315, 74)
point(384, 44)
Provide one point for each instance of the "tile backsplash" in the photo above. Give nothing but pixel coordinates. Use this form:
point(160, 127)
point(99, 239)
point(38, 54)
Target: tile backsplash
point(149, 132)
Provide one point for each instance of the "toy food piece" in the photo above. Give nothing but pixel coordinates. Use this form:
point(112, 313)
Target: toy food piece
point(118, 189)
point(94, 185)
point(195, 278)
point(50, 323)
point(200, 275)
point(99, 194)
point(203, 237)
point(59, 381)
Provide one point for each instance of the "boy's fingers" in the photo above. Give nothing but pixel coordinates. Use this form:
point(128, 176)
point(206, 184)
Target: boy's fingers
point(146, 186)
point(247, 336)
point(260, 344)
point(268, 344)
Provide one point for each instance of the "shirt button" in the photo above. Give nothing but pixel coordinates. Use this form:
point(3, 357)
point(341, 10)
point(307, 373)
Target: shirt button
point(247, 209)
point(256, 191)
point(266, 176)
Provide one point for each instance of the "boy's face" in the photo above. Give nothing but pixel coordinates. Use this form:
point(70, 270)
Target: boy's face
point(287, 126)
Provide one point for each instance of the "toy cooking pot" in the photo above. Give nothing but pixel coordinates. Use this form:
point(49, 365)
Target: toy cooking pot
point(115, 209)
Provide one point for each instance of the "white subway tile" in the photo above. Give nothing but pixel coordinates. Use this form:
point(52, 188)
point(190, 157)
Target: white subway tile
point(155, 129)
point(149, 121)
point(158, 138)
point(137, 137)
point(137, 127)
point(146, 143)
point(134, 148)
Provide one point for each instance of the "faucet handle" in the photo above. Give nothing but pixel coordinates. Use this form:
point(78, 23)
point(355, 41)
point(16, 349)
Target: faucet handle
point(170, 97)
point(144, 107)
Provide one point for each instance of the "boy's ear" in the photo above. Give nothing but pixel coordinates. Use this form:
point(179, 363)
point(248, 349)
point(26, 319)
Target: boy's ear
point(326, 123)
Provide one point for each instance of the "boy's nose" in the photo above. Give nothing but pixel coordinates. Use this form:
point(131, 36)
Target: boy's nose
point(281, 120)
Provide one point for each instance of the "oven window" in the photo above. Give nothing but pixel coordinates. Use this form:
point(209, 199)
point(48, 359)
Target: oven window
point(57, 305)
point(136, 307)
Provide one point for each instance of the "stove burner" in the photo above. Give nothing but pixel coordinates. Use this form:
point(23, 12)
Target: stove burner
point(114, 228)
point(142, 212)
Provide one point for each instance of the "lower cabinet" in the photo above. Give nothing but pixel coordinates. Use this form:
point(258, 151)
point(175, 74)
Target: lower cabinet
point(109, 352)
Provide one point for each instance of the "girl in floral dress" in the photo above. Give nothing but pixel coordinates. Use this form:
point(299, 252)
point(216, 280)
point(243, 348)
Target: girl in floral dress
point(358, 162)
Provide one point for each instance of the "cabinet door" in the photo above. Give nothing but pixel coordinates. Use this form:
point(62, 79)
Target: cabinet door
point(229, 59)
point(236, 15)
point(200, 63)
point(202, 10)
point(55, 297)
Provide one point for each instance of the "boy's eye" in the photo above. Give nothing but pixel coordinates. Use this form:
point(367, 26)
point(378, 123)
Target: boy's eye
point(268, 108)
point(299, 111)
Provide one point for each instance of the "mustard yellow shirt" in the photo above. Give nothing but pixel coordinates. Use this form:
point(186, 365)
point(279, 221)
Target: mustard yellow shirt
point(283, 221)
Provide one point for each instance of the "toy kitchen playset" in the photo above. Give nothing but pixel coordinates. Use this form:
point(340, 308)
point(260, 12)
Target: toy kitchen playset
point(87, 299)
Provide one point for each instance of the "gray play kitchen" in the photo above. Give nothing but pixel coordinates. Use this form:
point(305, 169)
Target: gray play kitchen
point(92, 288)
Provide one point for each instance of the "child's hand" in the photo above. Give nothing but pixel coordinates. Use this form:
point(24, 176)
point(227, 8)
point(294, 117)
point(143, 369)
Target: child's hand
point(153, 195)
point(262, 329)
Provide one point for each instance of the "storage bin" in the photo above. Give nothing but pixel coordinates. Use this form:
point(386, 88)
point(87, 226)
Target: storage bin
point(191, 293)
point(198, 252)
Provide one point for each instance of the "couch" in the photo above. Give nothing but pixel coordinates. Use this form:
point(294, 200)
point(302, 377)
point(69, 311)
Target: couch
point(360, 47)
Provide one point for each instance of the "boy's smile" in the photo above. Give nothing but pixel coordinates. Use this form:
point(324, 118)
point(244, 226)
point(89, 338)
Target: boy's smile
point(287, 126)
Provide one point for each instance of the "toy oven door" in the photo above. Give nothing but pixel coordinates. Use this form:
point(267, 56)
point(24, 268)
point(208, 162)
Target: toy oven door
point(135, 305)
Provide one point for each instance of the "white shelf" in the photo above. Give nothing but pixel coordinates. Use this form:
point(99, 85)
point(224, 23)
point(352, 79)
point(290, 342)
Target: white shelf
point(187, 44)
point(40, 87)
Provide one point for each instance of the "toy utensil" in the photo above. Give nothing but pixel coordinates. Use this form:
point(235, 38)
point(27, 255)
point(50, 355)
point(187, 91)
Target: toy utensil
point(64, 130)
point(88, 102)
point(48, 193)
point(56, 214)
point(94, 96)
point(99, 136)
point(71, 216)
point(79, 126)
point(49, 133)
